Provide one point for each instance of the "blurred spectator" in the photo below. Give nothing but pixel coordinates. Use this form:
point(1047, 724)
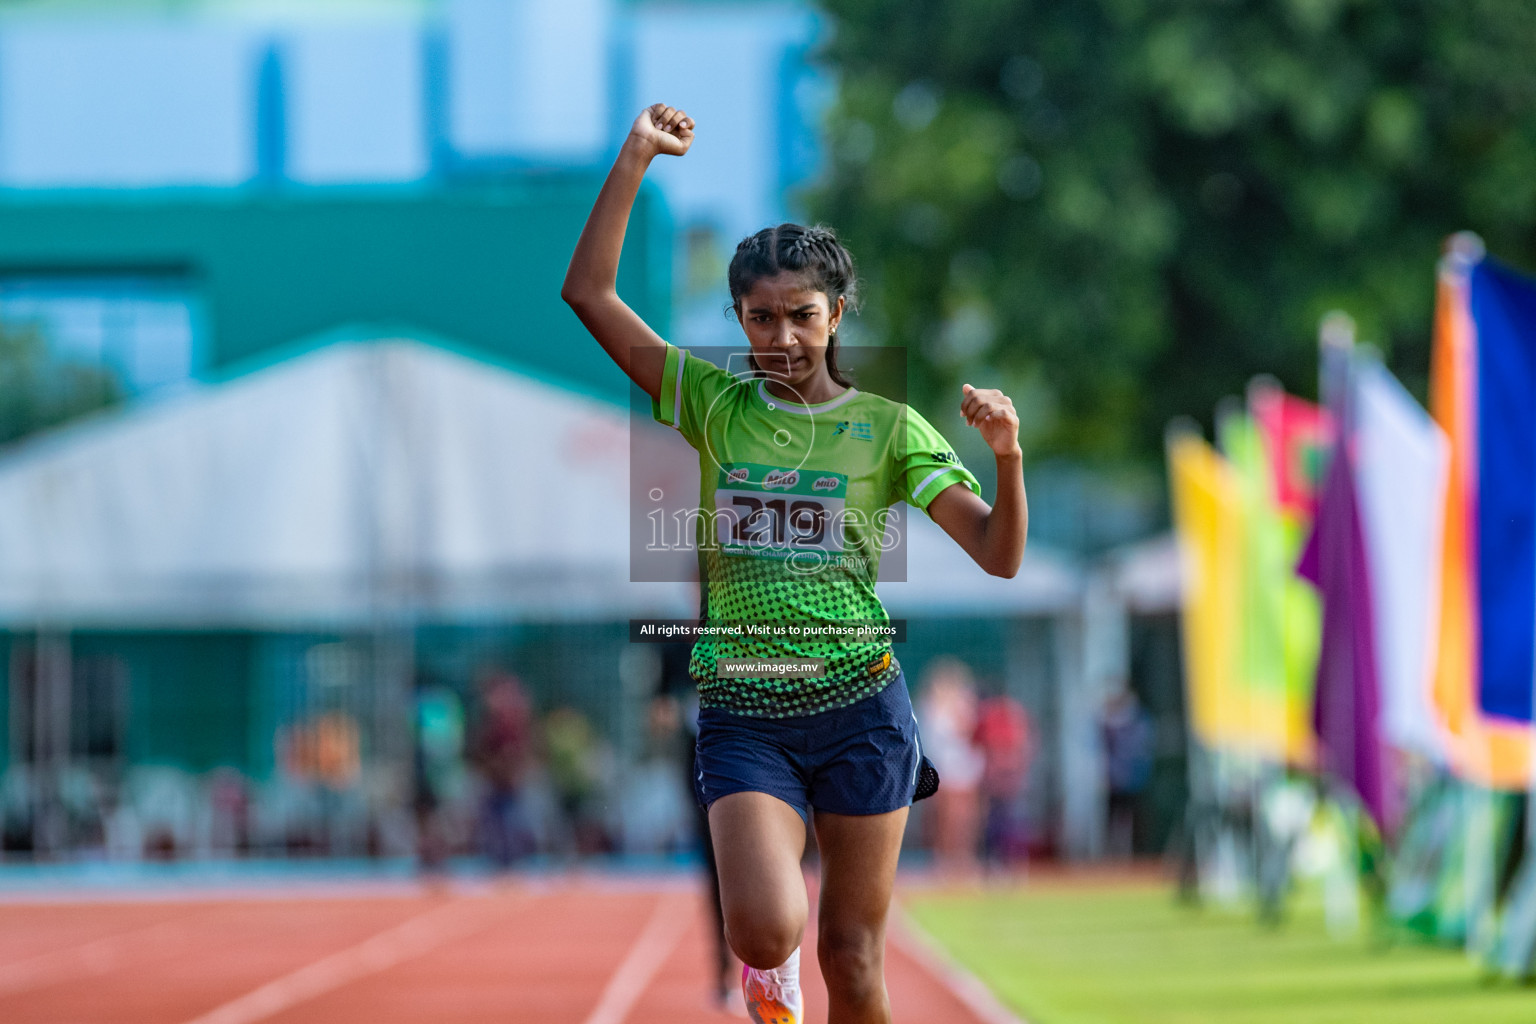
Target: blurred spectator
point(337, 764)
point(17, 803)
point(335, 758)
point(1006, 740)
point(946, 714)
point(165, 803)
point(505, 751)
point(577, 763)
point(653, 800)
point(1127, 737)
point(229, 806)
point(319, 807)
point(439, 766)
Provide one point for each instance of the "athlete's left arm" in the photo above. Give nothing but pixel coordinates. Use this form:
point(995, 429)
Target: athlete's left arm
point(994, 534)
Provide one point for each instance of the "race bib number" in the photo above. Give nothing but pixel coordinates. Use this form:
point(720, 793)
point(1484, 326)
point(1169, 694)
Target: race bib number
point(772, 512)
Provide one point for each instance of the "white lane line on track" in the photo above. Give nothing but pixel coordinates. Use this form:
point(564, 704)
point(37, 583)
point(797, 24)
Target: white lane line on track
point(412, 938)
point(88, 960)
point(964, 985)
point(650, 950)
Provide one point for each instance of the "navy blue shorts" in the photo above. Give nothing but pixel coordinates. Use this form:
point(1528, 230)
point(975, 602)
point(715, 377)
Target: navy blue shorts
point(861, 759)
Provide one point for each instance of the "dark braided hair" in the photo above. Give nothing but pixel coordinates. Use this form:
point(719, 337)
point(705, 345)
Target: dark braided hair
point(812, 252)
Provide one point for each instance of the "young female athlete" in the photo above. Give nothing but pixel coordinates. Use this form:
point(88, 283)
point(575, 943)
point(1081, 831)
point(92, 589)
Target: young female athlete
point(797, 472)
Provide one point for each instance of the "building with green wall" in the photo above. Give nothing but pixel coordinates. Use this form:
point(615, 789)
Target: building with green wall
point(478, 263)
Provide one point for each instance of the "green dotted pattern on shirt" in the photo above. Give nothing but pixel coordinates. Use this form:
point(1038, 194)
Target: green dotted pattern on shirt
point(750, 590)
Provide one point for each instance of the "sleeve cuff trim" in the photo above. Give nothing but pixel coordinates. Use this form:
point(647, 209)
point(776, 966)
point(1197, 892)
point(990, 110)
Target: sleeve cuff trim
point(959, 476)
point(677, 390)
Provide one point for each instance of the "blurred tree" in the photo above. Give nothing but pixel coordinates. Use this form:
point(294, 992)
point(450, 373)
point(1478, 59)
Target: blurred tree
point(38, 391)
point(1121, 210)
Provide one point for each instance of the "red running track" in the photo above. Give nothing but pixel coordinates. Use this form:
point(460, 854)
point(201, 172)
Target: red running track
point(573, 951)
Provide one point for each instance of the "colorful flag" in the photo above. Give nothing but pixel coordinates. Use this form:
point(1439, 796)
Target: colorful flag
point(1401, 457)
point(1299, 436)
point(1504, 316)
point(1347, 705)
point(1279, 614)
point(1482, 394)
point(1207, 503)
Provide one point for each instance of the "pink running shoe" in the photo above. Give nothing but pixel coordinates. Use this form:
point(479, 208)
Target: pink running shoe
point(773, 997)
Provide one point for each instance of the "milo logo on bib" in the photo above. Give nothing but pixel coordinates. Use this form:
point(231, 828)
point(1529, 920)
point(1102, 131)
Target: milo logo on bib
point(782, 479)
point(773, 512)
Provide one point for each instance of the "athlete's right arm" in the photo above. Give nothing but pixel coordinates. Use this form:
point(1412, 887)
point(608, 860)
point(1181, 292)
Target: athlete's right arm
point(590, 280)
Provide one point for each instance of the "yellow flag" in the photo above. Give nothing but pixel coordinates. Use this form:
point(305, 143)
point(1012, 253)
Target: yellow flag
point(1207, 509)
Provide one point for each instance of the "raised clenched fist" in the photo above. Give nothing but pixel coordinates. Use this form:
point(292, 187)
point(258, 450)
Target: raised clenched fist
point(663, 130)
point(991, 412)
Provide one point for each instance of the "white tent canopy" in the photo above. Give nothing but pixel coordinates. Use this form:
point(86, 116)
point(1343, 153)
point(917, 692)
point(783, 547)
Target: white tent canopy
point(359, 479)
point(1147, 576)
point(368, 477)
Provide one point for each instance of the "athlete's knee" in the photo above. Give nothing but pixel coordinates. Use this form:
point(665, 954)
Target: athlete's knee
point(764, 941)
point(852, 959)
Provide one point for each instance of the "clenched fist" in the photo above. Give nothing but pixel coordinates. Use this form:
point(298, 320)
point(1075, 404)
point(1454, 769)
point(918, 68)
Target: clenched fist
point(662, 130)
point(991, 412)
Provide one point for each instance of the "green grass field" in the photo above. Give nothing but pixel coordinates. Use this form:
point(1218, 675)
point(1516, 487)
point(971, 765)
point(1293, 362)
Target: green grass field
point(1126, 953)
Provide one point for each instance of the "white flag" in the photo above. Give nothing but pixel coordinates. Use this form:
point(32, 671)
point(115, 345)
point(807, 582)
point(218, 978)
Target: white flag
point(1401, 464)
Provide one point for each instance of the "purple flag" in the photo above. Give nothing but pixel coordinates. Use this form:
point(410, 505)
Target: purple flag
point(1347, 705)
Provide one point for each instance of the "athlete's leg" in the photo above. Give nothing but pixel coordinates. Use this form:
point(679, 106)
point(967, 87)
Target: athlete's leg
point(759, 840)
point(858, 872)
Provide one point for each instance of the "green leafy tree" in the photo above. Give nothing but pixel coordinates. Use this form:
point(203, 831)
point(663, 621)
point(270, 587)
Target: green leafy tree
point(1120, 210)
point(37, 391)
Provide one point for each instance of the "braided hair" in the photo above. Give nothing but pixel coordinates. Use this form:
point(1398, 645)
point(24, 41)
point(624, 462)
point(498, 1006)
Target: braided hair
point(812, 252)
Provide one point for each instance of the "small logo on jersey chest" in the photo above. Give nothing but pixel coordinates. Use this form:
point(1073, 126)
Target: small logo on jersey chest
point(859, 430)
point(781, 478)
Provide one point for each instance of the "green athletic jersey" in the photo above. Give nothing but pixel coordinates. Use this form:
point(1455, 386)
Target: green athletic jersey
point(794, 506)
